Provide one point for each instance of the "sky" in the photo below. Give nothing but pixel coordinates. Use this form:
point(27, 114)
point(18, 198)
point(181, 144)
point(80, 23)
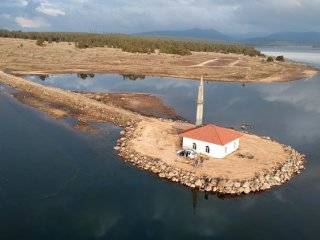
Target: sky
point(233, 17)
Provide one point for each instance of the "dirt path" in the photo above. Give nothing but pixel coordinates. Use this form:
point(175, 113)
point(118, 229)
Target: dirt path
point(234, 63)
point(204, 63)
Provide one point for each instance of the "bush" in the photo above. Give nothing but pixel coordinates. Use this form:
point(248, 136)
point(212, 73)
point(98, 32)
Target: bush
point(270, 59)
point(40, 42)
point(82, 44)
point(280, 58)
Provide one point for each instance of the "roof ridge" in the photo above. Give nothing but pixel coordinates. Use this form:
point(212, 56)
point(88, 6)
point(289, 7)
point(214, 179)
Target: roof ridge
point(215, 129)
point(212, 134)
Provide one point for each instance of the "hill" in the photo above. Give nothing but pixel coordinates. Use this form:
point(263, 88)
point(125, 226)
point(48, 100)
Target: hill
point(286, 38)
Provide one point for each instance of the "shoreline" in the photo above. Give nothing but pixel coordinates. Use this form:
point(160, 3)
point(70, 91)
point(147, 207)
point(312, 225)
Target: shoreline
point(89, 110)
point(62, 58)
point(304, 76)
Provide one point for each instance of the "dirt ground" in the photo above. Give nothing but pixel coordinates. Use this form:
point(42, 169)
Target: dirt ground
point(145, 104)
point(142, 103)
point(25, 57)
point(161, 140)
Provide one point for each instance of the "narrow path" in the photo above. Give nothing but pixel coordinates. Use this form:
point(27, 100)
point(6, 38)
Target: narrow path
point(234, 63)
point(204, 63)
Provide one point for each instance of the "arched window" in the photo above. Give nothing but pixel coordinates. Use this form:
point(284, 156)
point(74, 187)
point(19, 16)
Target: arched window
point(194, 146)
point(207, 149)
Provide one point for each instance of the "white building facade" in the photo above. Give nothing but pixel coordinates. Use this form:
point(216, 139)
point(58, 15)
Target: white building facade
point(211, 140)
point(210, 149)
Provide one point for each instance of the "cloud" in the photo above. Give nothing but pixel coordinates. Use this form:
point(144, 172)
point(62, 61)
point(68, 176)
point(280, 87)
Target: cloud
point(127, 16)
point(30, 23)
point(5, 16)
point(49, 10)
point(14, 3)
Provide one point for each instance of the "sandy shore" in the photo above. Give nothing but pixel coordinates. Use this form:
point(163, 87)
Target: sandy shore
point(24, 57)
point(151, 143)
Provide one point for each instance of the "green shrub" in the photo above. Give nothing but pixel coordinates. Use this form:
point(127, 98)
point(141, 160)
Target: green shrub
point(270, 59)
point(280, 58)
point(40, 42)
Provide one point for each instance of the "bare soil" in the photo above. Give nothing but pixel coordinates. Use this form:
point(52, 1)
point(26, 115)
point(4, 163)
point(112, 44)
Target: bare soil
point(160, 140)
point(20, 56)
point(142, 103)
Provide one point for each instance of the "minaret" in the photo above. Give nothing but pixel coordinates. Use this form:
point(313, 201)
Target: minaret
point(200, 104)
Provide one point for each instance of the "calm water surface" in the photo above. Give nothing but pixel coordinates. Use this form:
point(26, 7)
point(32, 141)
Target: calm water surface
point(57, 183)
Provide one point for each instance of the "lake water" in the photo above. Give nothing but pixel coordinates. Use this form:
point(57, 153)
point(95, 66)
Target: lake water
point(57, 183)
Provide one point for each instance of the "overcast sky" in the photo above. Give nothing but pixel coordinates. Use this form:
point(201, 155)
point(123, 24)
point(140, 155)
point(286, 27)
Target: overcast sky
point(234, 17)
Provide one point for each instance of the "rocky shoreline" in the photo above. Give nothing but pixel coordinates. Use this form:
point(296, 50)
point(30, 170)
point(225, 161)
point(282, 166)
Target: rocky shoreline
point(262, 181)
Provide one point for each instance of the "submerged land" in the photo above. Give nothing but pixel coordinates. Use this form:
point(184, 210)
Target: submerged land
point(24, 57)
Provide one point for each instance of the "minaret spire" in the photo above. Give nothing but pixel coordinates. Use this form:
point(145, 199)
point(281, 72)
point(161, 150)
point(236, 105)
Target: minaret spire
point(200, 104)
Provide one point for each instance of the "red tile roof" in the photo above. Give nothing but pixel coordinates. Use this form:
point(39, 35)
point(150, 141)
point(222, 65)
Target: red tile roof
point(212, 134)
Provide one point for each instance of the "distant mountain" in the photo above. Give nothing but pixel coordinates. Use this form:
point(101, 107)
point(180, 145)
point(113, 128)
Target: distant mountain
point(195, 33)
point(286, 38)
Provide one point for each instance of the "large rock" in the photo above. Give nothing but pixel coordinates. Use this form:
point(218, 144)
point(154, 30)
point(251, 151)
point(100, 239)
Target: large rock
point(117, 148)
point(198, 183)
point(277, 179)
point(162, 175)
point(245, 184)
point(171, 174)
point(237, 184)
point(266, 186)
point(246, 190)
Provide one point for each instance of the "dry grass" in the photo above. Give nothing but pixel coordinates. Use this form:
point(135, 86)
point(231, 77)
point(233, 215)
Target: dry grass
point(65, 58)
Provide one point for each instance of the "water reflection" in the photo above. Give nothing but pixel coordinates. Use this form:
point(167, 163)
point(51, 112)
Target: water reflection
point(84, 76)
point(277, 110)
point(43, 77)
point(133, 77)
point(307, 55)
